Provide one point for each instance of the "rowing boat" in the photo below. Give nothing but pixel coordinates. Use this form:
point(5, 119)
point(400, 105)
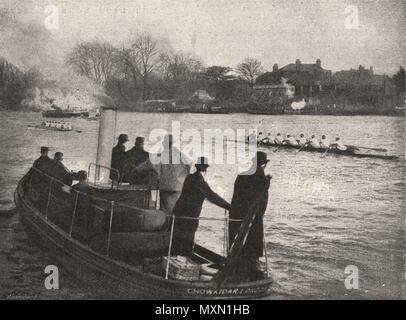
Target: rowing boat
point(349, 152)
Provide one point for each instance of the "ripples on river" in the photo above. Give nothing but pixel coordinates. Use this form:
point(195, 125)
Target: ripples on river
point(324, 213)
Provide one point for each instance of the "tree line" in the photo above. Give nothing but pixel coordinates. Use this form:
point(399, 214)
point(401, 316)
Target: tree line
point(142, 70)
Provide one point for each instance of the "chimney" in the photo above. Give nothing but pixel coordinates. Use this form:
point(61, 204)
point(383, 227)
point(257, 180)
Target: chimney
point(371, 69)
point(297, 64)
point(275, 68)
point(318, 62)
point(105, 144)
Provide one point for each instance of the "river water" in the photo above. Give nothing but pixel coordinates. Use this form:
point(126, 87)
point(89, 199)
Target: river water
point(324, 212)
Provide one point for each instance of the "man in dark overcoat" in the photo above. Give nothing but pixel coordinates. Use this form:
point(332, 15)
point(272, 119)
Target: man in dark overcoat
point(250, 189)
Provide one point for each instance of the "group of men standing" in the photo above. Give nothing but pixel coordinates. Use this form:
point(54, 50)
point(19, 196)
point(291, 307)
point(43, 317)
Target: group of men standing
point(182, 195)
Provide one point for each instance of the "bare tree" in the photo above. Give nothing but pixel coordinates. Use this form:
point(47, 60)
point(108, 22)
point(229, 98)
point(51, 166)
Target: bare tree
point(95, 60)
point(181, 71)
point(130, 63)
point(249, 70)
point(147, 50)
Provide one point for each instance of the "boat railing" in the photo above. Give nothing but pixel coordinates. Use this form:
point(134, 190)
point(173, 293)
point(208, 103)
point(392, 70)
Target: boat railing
point(53, 190)
point(97, 173)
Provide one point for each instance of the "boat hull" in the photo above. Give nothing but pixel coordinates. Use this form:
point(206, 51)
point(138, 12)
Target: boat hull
point(118, 278)
point(331, 151)
point(53, 114)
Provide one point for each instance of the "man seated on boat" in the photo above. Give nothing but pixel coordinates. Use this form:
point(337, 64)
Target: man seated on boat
point(278, 139)
point(118, 157)
point(324, 142)
point(314, 142)
point(195, 190)
point(250, 191)
point(59, 172)
point(339, 145)
point(302, 140)
point(290, 141)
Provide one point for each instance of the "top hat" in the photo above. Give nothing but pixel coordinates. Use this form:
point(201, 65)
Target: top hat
point(261, 158)
point(202, 162)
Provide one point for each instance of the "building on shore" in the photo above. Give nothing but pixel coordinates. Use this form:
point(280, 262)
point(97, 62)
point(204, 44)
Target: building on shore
point(308, 79)
point(348, 91)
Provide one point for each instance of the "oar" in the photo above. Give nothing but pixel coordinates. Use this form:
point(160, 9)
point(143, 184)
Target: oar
point(375, 149)
point(325, 152)
point(277, 148)
point(300, 149)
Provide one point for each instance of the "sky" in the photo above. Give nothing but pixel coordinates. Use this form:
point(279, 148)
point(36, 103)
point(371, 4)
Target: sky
point(224, 32)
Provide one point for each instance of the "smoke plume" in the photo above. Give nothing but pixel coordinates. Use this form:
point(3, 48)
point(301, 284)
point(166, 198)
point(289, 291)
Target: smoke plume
point(30, 46)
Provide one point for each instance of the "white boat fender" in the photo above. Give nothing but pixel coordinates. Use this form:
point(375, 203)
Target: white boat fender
point(204, 277)
point(206, 270)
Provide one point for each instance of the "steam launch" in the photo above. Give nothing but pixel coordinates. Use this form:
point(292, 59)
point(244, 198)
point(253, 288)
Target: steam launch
point(113, 231)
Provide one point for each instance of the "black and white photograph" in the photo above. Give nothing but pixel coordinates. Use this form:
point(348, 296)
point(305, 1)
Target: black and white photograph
point(174, 150)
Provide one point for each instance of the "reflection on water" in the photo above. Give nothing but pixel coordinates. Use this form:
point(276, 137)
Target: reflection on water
point(324, 213)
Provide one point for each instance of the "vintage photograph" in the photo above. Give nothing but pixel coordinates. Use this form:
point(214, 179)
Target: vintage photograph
point(190, 150)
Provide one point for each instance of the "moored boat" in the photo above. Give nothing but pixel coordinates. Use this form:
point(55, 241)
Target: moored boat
point(64, 114)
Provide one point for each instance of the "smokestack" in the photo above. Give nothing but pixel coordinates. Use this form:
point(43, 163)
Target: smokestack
point(107, 128)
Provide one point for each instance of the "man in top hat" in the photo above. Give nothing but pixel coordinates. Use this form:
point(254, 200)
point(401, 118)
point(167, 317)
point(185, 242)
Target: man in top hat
point(195, 190)
point(250, 188)
point(132, 171)
point(118, 157)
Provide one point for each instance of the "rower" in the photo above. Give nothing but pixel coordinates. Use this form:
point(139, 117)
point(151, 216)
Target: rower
point(267, 139)
point(290, 141)
point(313, 142)
point(324, 143)
point(302, 140)
point(278, 139)
point(339, 145)
point(259, 137)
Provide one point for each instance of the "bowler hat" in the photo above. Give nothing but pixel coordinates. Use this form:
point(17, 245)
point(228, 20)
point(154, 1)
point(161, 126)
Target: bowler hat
point(123, 137)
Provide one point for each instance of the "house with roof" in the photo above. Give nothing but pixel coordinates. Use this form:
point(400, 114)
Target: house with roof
point(307, 78)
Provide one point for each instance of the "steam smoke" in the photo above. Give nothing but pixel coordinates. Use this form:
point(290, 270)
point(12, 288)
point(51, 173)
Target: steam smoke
point(29, 45)
point(298, 105)
point(290, 89)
